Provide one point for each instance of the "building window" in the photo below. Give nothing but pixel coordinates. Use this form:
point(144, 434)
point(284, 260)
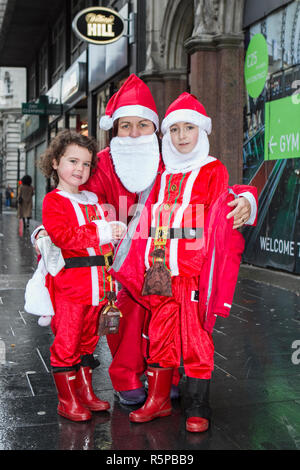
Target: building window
point(43, 69)
point(31, 82)
point(7, 85)
point(77, 46)
point(58, 49)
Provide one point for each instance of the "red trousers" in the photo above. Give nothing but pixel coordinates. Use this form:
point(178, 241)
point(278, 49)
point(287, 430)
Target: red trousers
point(128, 347)
point(75, 327)
point(175, 330)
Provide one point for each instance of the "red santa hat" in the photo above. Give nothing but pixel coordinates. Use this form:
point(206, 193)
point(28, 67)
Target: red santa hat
point(186, 108)
point(132, 99)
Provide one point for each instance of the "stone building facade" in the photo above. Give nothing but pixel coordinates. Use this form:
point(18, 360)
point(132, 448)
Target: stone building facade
point(12, 155)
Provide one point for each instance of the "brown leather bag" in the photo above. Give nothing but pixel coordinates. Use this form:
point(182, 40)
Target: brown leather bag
point(158, 279)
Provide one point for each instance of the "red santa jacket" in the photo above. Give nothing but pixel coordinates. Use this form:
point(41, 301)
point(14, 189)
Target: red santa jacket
point(223, 252)
point(68, 220)
point(129, 263)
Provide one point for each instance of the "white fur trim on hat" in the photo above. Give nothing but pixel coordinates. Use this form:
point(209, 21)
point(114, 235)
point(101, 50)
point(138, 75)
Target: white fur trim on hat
point(106, 122)
point(186, 115)
point(136, 110)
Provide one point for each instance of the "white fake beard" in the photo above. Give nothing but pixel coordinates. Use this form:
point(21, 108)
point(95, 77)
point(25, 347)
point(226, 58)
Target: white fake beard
point(177, 162)
point(136, 160)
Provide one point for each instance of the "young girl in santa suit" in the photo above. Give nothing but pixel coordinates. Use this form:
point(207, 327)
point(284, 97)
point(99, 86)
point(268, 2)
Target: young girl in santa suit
point(75, 222)
point(193, 247)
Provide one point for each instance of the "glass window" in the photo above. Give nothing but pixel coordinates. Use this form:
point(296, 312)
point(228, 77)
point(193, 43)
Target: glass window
point(58, 49)
point(77, 46)
point(43, 69)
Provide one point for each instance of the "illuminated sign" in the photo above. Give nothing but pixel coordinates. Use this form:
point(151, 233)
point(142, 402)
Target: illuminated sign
point(98, 25)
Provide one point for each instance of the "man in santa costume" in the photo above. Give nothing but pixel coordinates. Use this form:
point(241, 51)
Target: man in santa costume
point(191, 257)
point(125, 170)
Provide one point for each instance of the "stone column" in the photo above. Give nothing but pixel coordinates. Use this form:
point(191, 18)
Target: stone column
point(216, 77)
point(165, 87)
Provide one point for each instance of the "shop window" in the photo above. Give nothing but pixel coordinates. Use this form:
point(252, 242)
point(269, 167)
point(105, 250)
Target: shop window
point(102, 100)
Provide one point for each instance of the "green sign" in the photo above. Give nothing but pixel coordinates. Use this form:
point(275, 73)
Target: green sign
point(256, 65)
point(33, 108)
point(282, 129)
point(41, 109)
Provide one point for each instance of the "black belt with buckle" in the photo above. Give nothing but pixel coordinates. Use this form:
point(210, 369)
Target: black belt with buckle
point(87, 261)
point(180, 232)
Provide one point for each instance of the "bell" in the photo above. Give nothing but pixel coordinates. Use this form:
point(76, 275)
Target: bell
point(158, 279)
point(109, 319)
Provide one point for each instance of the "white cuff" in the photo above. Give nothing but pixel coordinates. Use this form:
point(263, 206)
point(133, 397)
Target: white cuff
point(249, 196)
point(35, 232)
point(104, 231)
point(117, 222)
point(51, 255)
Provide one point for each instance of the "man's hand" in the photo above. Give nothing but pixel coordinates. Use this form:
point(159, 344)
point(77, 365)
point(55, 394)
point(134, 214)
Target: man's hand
point(241, 211)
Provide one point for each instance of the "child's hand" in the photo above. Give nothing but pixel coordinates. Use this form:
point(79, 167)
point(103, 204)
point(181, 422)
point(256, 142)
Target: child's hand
point(118, 230)
point(241, 211)
point(40, 234)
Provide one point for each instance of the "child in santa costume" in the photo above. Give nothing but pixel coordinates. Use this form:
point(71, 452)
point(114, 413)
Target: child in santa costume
point(75, 222)
point(191, 258)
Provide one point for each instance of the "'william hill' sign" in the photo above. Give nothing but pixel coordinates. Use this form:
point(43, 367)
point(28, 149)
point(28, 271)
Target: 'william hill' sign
point(98, 25)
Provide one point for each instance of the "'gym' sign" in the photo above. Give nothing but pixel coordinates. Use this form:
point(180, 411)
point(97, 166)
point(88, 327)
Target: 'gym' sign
point(98, 25)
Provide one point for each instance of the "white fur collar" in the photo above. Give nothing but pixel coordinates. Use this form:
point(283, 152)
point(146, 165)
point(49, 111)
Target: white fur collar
point(83, 197)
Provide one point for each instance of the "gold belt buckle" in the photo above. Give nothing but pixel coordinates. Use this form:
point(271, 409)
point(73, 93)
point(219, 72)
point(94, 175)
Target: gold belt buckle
point(161, 235)
point(106, 256)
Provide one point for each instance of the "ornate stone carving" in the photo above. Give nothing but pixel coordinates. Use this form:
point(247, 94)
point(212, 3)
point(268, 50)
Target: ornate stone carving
point(207, 19)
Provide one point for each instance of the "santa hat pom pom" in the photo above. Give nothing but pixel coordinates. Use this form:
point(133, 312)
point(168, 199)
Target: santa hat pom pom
point(106, 123)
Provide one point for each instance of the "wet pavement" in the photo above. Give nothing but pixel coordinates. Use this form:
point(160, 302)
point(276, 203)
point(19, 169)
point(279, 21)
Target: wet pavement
point(255, 391)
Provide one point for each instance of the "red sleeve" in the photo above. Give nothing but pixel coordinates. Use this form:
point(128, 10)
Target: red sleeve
point(243, 188)
point(60, 229)
point(217, 182)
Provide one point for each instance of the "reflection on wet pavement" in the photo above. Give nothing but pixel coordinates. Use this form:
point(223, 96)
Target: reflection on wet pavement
point(255, 392)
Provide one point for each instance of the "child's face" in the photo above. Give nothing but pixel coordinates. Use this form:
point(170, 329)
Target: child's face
point(184, 136)
point(74, 168)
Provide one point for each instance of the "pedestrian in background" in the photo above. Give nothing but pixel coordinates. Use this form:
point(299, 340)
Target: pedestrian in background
point(25, 194)
point(8, 196)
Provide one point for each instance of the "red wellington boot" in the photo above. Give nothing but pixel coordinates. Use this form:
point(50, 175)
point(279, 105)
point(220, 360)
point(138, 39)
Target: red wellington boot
point(197, 407)
point(158, 403)
point(196, 424)
point(86, 393)
point(69, 405)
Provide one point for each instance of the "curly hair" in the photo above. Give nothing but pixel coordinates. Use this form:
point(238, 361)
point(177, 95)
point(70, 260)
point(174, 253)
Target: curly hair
point(57, 148)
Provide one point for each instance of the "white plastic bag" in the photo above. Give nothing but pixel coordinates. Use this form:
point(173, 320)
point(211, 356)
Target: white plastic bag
point(37, 297)
point(51, 255)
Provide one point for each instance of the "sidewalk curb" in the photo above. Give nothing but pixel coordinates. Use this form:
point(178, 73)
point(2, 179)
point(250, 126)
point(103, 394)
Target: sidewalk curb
point(279, 279)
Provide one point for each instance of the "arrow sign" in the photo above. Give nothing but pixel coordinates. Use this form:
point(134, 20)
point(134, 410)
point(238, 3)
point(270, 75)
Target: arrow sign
point(282, 129)
point(271, 144)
